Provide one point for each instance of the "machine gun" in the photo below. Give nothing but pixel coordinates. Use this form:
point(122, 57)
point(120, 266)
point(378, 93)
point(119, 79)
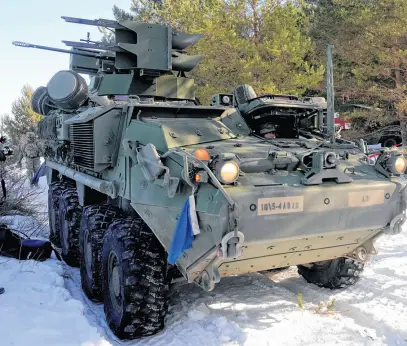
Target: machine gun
point(86, 61)
point(87, 52)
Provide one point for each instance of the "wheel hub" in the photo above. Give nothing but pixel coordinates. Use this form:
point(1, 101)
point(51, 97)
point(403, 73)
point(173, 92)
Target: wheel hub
point(64, 231)
point(114, 277)
point(116, 283)
point(52, 212)
point(52, 215)
point(88, 255)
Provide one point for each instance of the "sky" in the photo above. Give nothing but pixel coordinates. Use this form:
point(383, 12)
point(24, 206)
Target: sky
point(39, 22)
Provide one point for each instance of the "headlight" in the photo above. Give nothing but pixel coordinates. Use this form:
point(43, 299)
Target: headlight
point(392, 162)
point(228, 172)
point(398, 165)
point(225, 99)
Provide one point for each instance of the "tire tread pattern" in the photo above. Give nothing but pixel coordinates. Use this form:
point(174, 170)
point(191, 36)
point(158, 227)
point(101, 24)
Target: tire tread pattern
point(69, 202)
point(96, 220)
point(54, 192)
point(339, 273)
point(145, 278)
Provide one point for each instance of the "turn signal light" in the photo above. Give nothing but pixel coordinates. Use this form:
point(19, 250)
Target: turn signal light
point(202, 154)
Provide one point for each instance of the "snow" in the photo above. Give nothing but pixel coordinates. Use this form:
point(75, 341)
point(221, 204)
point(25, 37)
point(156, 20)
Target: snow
point(44, 305)
point(25, 224)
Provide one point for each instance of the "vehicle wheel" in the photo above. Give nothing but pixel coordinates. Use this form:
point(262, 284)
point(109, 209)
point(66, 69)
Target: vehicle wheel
point(94, 223)
point(135, 280)
point(69, 222)
point(54, 191)
point(333, 274)
point(390, 142)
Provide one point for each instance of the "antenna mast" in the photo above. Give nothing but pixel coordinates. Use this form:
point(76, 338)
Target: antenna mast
point(330, 96)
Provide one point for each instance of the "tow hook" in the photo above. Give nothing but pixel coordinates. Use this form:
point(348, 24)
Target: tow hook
point(231, 248)
point(398, 221)
point(231, 245)
point(363, 252)
point(396, 224)
point(210, 276)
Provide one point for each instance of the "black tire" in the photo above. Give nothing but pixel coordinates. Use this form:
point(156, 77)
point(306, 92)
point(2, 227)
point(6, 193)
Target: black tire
point(54, 191)
point(333, 274)
point(94, 223)
point(69, 222)
point(389, 142)
point(138, 304)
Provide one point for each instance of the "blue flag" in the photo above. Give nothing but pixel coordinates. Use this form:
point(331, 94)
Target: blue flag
point(38, 174)
point(187, 226)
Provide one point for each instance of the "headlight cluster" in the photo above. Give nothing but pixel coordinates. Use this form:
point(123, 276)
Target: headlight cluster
point(397, 164)
point(227, 172)
point(224, 166)
point(392, 162)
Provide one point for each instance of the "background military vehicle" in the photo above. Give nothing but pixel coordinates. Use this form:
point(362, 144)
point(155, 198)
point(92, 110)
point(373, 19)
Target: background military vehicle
point(125, 154)
point(6, 146)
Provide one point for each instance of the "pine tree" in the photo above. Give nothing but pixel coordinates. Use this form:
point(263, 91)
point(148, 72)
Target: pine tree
point(370, 39)
point(23, 118)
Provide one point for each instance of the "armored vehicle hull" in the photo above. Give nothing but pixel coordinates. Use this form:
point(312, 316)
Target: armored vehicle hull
point(265, 219)
point(268, 217)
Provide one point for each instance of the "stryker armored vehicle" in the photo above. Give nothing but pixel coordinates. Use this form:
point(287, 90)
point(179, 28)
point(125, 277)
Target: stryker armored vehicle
point(147, 187)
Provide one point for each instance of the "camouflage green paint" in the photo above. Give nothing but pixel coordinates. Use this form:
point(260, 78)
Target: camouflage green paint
point(268, 217)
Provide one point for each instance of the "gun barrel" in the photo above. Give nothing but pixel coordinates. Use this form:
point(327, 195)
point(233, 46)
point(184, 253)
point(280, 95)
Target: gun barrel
point(95, 45)
point(107, 23)
point(93, 55)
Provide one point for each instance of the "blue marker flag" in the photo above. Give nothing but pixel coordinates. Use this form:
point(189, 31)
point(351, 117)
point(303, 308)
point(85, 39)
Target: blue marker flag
point(38, 174)
point(187, 226)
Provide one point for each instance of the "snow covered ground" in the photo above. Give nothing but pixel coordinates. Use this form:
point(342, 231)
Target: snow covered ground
point(43, 305)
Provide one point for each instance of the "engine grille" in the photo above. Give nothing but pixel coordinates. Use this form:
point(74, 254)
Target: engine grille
point(83, 145)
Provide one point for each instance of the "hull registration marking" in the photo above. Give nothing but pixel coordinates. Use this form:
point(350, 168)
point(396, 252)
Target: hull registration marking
point(280, 205)
point(365, 198)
